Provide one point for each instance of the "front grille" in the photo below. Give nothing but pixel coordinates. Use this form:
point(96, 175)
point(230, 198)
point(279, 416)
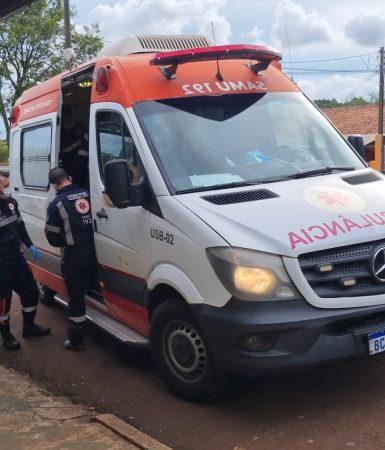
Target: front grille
point(349, 261)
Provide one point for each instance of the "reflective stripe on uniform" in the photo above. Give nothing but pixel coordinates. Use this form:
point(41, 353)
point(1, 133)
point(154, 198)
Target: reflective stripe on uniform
point(67, 225)
point(78, 319)
point(30, 309)
point(52, 228)
point(8, 220)
point(71, 147)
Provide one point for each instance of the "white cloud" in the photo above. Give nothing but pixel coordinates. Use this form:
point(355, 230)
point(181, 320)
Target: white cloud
point(161, 17)
point(367, 28)
point(339, 87)
point(254, 36)
point(303, 28)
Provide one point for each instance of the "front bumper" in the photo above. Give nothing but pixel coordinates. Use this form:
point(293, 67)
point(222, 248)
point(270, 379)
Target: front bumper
point(300, 335)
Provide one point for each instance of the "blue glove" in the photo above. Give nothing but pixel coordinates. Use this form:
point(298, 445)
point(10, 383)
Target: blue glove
point(35, 252)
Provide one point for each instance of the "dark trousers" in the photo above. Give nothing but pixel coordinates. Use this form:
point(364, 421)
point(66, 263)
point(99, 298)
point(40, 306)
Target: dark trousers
point(79, 269)
point(15, 275)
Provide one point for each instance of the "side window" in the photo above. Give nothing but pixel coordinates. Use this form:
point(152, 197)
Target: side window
point(35, 156)
point(115, 142)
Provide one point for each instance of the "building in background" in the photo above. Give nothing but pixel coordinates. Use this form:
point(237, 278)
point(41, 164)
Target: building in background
point(361, 120)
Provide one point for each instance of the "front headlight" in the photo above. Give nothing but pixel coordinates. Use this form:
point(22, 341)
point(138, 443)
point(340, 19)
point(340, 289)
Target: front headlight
point(251, 275)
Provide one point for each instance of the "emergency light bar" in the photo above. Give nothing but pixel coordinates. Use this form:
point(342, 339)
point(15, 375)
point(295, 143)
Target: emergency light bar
point(169, 61)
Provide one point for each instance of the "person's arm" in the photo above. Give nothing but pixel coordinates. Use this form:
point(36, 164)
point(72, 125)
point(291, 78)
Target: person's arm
point(23, 233)
point(54, 227)
point(21, 229)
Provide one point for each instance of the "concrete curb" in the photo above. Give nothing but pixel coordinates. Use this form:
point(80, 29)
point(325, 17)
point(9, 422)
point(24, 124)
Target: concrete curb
point(129, 433)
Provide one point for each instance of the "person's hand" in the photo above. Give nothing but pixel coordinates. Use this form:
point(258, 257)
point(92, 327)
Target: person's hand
point(135, 173)
point(35, 252)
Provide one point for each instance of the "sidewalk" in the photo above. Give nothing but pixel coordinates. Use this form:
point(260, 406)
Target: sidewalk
point(33, 419)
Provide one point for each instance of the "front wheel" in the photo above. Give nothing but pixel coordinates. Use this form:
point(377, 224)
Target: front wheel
point(181, 355)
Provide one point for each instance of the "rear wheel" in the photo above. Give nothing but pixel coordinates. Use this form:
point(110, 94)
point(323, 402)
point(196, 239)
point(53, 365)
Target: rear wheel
point(181, 355)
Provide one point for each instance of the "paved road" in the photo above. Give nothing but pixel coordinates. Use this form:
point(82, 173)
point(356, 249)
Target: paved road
point(333, 407)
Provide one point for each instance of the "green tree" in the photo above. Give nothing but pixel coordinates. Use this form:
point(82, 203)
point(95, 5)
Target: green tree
point(326, 103)
point(87, 44)
point(31, 49)
point(356, 101)
point(351, 101)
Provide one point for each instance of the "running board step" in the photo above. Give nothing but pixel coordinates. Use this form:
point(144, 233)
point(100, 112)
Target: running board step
point(110, 325)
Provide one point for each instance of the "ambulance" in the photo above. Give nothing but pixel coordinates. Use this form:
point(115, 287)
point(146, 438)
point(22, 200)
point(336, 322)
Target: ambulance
point(236, 230)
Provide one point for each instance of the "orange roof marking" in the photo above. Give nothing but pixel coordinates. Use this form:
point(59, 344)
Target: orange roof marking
point(132, 79)
point(39, 100)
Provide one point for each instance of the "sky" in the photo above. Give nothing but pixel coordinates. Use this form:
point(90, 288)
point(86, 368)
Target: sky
point(346, 33)
point(330, 48)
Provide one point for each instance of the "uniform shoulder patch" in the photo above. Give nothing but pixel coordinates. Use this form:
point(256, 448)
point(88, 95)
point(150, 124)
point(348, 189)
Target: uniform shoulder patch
point(82, 205)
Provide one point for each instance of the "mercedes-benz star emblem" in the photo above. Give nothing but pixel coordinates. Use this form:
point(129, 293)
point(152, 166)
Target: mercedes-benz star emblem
point(378, 264)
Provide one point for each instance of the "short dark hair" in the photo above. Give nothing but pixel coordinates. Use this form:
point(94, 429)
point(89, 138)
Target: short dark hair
point(4, 174)
point(57, 175)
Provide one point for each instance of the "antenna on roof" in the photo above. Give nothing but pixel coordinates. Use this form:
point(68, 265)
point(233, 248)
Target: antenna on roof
point(218, 76)
point(212, 29)
point(288, 45)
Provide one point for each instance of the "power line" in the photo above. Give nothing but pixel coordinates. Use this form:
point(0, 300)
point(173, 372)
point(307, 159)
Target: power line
point(364, 83)
point(333, 59)
point(288, 46)
point(314, 71)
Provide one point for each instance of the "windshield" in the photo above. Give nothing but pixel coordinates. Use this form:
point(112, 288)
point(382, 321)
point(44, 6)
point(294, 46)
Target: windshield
point(213, 141)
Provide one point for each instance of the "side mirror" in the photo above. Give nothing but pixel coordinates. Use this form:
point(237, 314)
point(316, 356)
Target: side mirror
point(357, 142)
point(117, 179)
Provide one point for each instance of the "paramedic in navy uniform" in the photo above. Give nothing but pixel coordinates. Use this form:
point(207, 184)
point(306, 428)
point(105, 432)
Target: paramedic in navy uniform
point(69, 226)
point(15, 275)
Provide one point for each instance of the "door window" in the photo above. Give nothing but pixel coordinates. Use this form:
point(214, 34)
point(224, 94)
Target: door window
point(115, 142)
point(35, 161)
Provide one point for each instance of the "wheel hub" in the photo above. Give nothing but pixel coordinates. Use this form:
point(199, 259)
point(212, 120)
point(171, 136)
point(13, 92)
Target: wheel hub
point(186, 352)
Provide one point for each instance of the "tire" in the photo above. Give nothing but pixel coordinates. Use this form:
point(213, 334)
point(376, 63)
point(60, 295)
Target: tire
point(181, 355)
point(46, 295)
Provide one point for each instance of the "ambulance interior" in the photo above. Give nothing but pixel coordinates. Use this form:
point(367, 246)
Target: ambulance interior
point(74, 125)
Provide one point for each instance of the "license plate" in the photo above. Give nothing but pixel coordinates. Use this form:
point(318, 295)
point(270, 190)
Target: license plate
point(376, 342)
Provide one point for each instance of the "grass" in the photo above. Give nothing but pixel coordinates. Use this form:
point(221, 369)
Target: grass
point(3, 151)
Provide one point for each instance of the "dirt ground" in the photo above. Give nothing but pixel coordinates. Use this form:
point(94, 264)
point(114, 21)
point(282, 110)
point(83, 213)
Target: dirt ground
point(335, 407)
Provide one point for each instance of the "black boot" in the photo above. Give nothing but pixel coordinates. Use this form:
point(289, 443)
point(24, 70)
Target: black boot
point(76, 337)
point(9, 341)
point(30, 328)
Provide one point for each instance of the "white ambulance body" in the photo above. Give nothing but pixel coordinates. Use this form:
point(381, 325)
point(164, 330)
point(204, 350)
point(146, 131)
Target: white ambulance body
point(236, 230)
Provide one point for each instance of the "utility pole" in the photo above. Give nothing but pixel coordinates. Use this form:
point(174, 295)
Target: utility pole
point(69, 53)
point(381, 110)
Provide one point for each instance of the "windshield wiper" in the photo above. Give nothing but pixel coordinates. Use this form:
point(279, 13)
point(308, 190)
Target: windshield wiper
point(233, 184)
point(322, 170)
point(214, 187)
point(308, 173)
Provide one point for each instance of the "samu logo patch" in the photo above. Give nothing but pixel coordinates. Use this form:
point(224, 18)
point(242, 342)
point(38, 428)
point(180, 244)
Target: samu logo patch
point(82, 206)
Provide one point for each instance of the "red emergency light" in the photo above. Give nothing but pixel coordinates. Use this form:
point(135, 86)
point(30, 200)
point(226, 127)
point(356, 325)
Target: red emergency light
point(169, 61)
point(15, 114)
point(101, 79)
